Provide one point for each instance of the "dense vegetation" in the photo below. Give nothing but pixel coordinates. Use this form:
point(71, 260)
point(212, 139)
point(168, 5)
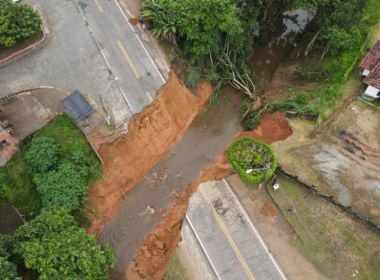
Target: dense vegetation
point(52, 174)
point(254, 161)
point(52, 246)
point(55, 167)
point(339, 55)
point(17, 21)
point(217, 38)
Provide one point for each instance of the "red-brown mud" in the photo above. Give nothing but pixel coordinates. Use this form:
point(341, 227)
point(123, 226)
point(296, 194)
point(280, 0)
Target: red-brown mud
point(151, 134)
point(151, 259)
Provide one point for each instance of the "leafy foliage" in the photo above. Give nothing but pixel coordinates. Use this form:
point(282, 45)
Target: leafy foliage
point(248, 154)
point(17, 21)
point(63, 187)
point(8, 269)
point(198, 26)
point(54, 246)
point(16, 178)
point(42, 155)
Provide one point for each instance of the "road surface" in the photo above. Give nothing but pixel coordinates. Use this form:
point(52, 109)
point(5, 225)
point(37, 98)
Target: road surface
point(230, 242)
point(122, 50)
point(92, 50)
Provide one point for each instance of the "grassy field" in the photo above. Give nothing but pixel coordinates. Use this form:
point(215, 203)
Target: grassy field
point(16, 184)
point(176, 270)
point(332, 240)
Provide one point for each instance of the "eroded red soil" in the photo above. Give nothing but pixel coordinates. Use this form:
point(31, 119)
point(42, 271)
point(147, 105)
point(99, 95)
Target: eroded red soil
point(151, 259)
point(151, 134)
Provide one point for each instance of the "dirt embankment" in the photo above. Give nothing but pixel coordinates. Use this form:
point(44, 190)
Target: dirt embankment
point(151, 134)
point(151, 259)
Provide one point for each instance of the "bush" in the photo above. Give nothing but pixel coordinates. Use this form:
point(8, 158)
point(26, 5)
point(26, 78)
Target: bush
point(17, 21)
point(63, 187)
point(53, 245)
point(246, 153)
point(42, 154)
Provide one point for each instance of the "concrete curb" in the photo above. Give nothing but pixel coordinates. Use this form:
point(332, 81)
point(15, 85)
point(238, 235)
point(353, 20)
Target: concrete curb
point(29, 49)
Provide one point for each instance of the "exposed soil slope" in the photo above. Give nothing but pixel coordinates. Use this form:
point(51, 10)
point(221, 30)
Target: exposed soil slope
point(151, 259)
point(150, 135)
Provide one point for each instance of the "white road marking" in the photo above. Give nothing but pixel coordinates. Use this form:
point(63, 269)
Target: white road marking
point(126, 100)
point(227, 234)
point(255, 231)
point(139, 40)
point(202, 247)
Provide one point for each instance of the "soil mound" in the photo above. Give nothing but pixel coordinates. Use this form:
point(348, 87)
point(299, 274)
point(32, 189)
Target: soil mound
point(272, 128)
point(151, 134)
point(269, 210)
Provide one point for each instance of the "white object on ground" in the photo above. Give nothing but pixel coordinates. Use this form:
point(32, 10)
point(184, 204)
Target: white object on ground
point(249, 170)
point(276, 187)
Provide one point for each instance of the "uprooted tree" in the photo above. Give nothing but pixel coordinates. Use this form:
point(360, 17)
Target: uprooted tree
point(17, 21)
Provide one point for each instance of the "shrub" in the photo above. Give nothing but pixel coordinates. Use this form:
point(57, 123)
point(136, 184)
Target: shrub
point(246, 153)
point(53, 245)
point(63, 187)
point(42, 154)
point(18, 21)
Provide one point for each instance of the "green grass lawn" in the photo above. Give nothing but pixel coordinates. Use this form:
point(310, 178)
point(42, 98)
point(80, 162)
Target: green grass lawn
point(332, 240)
point(176, 270)
point(16, 184)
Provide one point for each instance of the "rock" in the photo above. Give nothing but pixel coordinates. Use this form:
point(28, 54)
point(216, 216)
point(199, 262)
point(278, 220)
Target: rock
point(159, 244)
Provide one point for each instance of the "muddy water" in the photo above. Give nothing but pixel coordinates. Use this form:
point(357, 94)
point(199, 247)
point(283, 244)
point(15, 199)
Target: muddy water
point(137, 215)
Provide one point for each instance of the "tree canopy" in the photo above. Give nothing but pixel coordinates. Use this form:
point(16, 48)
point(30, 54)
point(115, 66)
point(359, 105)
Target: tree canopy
point(55, 247)
point(17, 21)
point(64, 187)
point(197, 26)
point(42, 154)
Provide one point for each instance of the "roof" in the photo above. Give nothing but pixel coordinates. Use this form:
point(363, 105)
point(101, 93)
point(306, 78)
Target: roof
point(371, 58)
point(373, 79)
point(10, 219)
point(77, 106)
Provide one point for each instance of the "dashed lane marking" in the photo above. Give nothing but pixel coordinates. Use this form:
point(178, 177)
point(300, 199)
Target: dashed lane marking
point(228, 235)
point(129, 60)
point(99, 6)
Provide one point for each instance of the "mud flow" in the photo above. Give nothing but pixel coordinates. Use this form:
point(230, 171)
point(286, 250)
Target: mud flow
point(143, 208)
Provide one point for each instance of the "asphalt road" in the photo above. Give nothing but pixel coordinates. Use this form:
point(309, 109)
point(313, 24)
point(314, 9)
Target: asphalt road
point(230, 242)
point(122, 50)
point(87, 50)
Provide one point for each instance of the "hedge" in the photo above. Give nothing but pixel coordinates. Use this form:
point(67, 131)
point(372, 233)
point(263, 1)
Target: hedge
point(245, 153)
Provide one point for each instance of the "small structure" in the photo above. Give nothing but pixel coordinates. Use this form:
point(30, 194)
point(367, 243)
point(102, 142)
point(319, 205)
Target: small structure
point(8, 144)
point(10, 219)
point(370, 69)
point(77, 106)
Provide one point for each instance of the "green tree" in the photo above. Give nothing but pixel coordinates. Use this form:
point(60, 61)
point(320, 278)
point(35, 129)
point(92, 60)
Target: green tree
point(197, 26)
point(63, 187)
point(17, 21)
point(42, 154)
point(8, 269)
point(54, 246)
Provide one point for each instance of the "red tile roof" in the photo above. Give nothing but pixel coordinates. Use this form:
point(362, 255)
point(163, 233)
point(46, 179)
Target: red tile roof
point(373, 78)
point(372, 58)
